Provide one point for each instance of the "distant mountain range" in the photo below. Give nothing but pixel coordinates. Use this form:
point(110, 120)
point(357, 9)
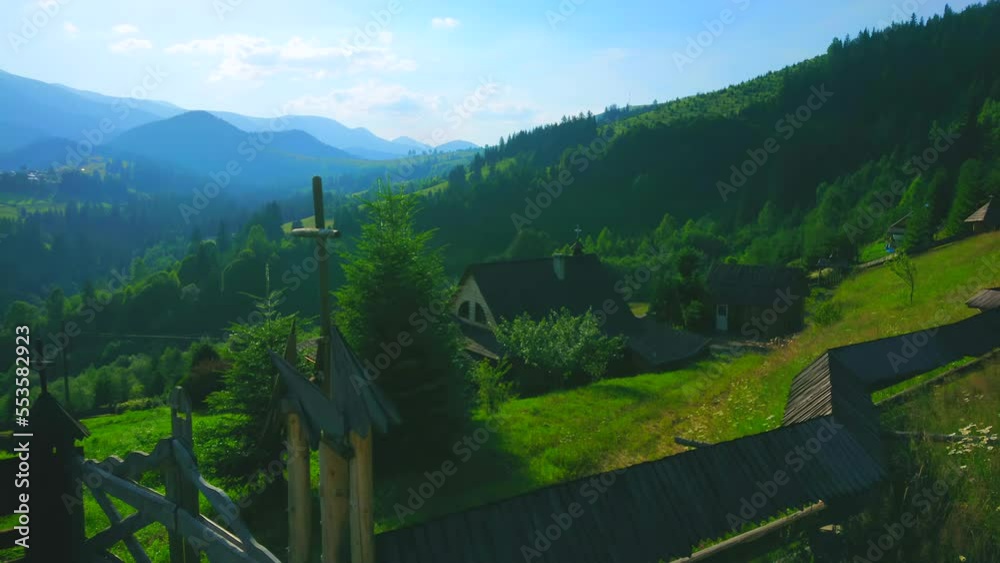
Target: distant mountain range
point(40, 122)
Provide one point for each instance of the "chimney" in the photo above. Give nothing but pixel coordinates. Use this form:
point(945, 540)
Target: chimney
point(559, 266)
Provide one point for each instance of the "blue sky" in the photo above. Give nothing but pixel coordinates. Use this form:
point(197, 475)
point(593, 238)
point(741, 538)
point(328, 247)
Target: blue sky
point(401, 67)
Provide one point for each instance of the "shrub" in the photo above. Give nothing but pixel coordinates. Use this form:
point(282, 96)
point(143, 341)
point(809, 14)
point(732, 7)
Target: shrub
point(492, 391)
point(560, 344)
point(143, 404)
point(827, 312)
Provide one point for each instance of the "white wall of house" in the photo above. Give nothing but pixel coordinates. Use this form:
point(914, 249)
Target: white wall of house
point(469, 293)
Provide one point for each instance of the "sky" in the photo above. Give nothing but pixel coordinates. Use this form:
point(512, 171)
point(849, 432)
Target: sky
point(430, 70)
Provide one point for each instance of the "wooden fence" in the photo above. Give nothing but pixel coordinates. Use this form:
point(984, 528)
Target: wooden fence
point(59, 505)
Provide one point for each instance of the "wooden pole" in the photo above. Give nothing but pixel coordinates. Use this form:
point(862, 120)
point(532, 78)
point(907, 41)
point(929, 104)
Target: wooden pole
point(362, 500)
point(299, 498)
point(334, 483)
point(180, 490)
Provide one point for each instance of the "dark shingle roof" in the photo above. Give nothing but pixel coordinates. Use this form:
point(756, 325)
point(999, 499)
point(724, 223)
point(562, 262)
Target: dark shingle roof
point(744, 284)
point(531, 286)
point(651, 511)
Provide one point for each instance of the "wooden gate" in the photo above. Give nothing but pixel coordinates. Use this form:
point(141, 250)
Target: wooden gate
point(190, 532)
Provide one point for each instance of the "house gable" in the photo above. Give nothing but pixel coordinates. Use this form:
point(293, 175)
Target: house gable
point(470, 305)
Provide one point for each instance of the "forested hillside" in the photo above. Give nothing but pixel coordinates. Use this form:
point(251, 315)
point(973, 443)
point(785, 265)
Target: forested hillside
point(774, 170)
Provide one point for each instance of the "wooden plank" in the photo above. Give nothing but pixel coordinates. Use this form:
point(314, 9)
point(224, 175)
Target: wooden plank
point(115, 518)
point(334, 496)
point(103, 540)
point(139, 497)
point(362, 500)
point(219, 500)
point(137, 463)
point(299, 493)
point(219, 545)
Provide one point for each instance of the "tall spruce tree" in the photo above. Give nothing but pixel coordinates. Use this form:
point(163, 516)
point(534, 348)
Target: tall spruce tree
point(394, 311)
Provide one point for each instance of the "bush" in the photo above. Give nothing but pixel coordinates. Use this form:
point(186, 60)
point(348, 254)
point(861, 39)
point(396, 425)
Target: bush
point(561, 345)
point(143, 404)
point(492, 392)
point(827, 312)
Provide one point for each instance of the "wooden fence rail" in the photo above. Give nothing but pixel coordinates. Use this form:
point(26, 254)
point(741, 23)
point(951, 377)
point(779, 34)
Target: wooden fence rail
point(190, 532)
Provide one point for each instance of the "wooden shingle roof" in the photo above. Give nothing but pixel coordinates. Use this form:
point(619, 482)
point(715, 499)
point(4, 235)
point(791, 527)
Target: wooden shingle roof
point(985, 214)
point(985, 299)
point(651, 511)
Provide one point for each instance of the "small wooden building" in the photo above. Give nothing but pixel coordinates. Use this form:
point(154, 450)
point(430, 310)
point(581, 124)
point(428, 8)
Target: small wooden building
point(492, 291)
point(755, 301)
point(985, 219)
point(896, 233)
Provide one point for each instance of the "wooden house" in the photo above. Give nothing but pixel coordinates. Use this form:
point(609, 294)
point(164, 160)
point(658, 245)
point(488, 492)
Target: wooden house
point(755, 301)
point(896, 233)
point(493, 291)
point(985, 219)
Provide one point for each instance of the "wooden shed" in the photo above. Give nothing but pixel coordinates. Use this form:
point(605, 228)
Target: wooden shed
point(755, 301)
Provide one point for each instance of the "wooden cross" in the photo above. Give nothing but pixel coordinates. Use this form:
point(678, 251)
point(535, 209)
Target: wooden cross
point(578, 231)
point(334, 478)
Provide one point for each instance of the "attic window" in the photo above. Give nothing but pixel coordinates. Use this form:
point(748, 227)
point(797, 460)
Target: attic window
point(480, 313)
point(463, 310)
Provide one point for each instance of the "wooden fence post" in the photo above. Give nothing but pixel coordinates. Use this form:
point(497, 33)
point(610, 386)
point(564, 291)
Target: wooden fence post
point(55, 489)
point(180, 491)
point(362, 501)
point(299, 493)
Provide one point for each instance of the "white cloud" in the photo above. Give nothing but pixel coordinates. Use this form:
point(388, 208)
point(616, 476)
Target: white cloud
point(131, 44)
point(445, 23)
point(125, 29)
point(71, 29)
point(246, 57)
point(367, 98)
